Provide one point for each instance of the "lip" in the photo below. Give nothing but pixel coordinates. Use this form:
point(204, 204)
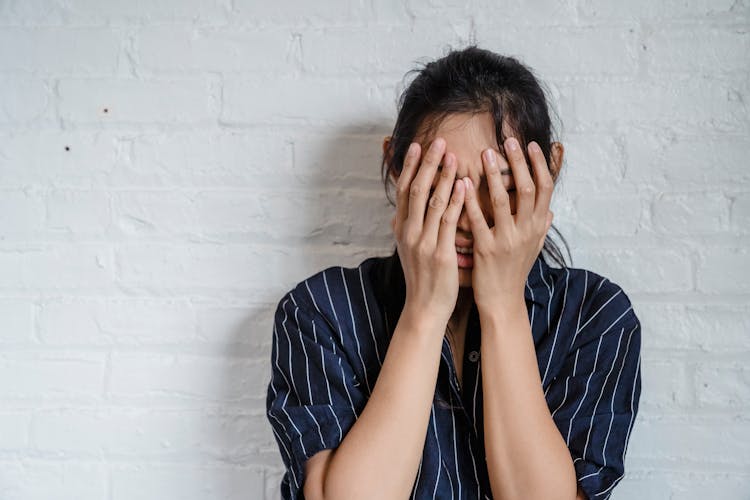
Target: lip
point(464, 243)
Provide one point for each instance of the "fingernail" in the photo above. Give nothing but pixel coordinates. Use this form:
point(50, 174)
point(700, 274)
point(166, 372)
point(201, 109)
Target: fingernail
point(412, 149)
point(534, 147)
point(467, 183)
point(489, 156)
point(512, 144)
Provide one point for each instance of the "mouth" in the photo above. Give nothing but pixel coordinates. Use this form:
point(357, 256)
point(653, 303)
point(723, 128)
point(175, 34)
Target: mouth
point(465, 257)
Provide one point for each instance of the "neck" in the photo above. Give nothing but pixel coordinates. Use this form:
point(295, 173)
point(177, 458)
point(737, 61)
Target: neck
point(463, 305)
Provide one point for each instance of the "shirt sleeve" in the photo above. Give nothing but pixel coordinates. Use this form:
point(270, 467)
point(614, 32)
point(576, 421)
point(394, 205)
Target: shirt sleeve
point(314, 396)
point(594, 399)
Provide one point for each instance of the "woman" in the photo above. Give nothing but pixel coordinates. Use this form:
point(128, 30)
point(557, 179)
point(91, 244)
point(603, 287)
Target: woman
point(463, 365)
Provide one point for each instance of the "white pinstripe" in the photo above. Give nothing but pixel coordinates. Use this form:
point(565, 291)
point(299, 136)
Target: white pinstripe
point(440, 454)
point(601, 393)
point(570, 427)
point(369, 318)
point(557, 330)
point(354, 331)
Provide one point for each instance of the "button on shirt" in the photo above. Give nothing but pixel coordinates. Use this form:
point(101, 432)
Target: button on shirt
point(331, 333)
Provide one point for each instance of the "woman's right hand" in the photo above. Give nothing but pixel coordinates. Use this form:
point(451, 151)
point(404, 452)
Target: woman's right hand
point(426, 242)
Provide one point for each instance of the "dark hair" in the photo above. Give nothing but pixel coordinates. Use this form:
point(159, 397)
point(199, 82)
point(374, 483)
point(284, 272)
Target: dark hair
point(473, 80)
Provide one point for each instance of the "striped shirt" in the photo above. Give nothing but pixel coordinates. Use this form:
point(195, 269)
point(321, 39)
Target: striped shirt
point(330, 337)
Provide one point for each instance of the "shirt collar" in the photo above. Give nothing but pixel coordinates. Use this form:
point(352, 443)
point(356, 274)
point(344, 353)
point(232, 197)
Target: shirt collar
point(539, 282)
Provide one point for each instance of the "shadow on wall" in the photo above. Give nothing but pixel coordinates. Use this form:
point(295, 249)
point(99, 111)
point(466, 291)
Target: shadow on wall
point(333, 211)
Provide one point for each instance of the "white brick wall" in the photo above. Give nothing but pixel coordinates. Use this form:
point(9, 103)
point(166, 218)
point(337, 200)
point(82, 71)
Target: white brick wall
point(169, 168)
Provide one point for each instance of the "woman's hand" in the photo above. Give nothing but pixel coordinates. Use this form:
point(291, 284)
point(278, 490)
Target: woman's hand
point(426, 241)
point(504, 254)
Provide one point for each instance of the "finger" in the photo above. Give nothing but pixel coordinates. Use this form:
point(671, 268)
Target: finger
point(449, 219)
point(479, 228)
point(498, 194)
point(543, 181)
point(404, 181)
point(420, 187)
point(440, 198)
point(525, 189)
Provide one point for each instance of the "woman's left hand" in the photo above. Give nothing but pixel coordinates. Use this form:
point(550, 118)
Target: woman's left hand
point(504, 254)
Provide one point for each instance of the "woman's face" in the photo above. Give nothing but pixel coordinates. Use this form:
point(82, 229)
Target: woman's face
point(466, 136)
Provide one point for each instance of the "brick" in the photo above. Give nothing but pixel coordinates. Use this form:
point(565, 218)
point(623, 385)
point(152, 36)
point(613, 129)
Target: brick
point(642, 270)
point(594, 214)
point(677, 161)
point(566, 51)
point(52, 376)
point(677, 438)
point(723, 386)
point(237, 325)
point(116, 322)
point(740, 213)
point(601, 10)
point(351, 104)
point(163, 49)
point(225, 270)
point(64, 267)
point(352, 51)
point(682, 104)
point(299, 12)
point(186, 379)
point(349, 160)
point(225, 481)
point(26, 102)
point(186, 435)
point(37, 479)
point(39, 158)
point(18, 322)
point(112, 12)
point(210, 159)
point(690, 213)
point(593, 157)
point(723, 270)
point(79, 213)
point(269, 217)
point(22, 215)
point(721, 49)
point(717, 328)
point(60, 50)
point(135, 101)
point(667, 386)
point(15, 433)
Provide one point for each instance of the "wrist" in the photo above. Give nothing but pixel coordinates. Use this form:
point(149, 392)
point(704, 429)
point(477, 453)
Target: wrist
point(502, 310)
point(420, 319)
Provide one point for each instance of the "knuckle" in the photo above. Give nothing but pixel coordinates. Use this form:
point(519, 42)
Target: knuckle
point(409, 238)
point(527, 189)
point(546, 184)
point(500, 200)
point(436, 201)
point(415, 190)
point(424, 249)
point(441, 257)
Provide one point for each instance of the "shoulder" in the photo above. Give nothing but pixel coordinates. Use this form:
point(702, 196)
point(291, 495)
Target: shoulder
point(600, 304)
point(329, 291)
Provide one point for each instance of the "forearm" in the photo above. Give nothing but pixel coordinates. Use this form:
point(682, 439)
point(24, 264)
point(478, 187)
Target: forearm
point(379, 457)
point(527, 456)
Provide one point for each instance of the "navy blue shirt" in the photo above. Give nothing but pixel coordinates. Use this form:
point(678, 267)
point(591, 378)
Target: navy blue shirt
point(331, 335)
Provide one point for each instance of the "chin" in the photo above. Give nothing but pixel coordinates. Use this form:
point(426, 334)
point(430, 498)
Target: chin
point(464, 278)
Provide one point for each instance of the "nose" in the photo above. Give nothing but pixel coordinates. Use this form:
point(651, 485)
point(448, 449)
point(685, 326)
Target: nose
point(463, 225)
